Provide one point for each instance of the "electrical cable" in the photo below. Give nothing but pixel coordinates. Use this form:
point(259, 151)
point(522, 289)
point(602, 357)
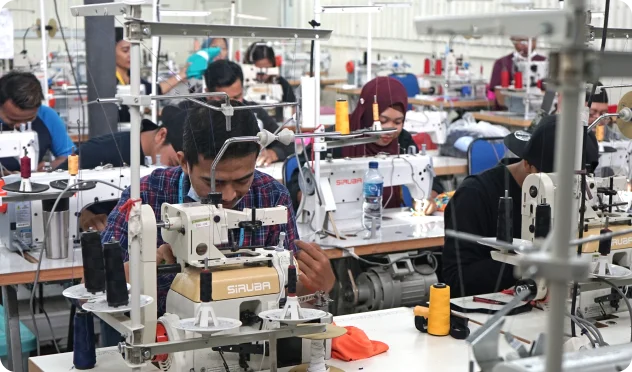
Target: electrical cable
point(379, 264)
point(24, 51)
point(72, 67)
point(589, 331)
point(41, 256)
point(625, 299)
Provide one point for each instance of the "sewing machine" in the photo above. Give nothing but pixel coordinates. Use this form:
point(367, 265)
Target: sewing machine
point(13, 143)
point(540, 188)
point(245, 281)
point(431, 122)
point(296, 64)
point(538, 70)
point(341, 184)
point(24, 221)
point(258, 91)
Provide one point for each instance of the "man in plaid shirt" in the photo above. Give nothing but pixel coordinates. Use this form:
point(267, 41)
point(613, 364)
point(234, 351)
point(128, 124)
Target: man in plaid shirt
point(241, 185)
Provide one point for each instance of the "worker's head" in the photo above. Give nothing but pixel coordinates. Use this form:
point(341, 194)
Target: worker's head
point(599, 105)
point(218, 42)
point(521, 44)
point(392, 100)
point(204, 134)
point(121, 48)
point(165, 140)
point(537, 150)
point(226, 77)
point(261, 55)
point(20, 98)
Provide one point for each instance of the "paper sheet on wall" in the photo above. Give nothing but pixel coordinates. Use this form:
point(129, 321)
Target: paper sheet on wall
point(6, 35)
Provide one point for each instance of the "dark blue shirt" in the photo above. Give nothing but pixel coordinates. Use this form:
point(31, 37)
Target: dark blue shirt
point(51, 135)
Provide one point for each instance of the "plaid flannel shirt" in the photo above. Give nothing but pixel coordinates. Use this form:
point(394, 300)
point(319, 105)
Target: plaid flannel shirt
point(162, 186)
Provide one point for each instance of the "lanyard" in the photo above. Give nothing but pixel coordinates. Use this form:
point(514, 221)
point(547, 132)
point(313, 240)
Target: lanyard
point(181, 200)
point(120, 79)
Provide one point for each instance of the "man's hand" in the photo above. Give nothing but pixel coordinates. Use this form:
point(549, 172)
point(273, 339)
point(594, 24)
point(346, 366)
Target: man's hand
point(266, 158)
point(316, 271)
point(89, 220)
point(429, 207)
point(164, 255)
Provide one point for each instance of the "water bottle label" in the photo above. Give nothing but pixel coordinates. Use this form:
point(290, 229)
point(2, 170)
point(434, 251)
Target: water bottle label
point(373, 189)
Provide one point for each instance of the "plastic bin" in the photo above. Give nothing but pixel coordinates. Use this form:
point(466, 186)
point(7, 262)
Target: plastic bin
point(29, 343)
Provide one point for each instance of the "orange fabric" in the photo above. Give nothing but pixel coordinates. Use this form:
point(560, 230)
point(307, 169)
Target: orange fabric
point(355, 345)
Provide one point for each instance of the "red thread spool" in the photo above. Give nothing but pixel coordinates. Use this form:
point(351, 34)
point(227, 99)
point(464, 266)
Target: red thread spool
point(25, 167)
point(427, 66)
point(504, 78)
point(438, 67)
point(518, 80)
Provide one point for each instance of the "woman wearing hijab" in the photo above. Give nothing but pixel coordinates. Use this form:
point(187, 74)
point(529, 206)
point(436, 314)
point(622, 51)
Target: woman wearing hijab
point(392, 101)
point(122, 48)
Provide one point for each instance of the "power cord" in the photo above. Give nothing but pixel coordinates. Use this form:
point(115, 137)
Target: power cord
point(625, 299)
point(40, 259)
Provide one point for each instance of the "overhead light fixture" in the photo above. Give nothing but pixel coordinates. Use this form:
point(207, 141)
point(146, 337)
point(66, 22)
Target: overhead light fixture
point(402, 4)
point(185, 13)
point(248, 16)
point(351, 9)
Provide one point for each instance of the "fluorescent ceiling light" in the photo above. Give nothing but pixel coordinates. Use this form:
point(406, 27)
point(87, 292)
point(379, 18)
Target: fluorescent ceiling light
point(351, 9)
point(248, 16)
point(394, 5)
point(185, 13)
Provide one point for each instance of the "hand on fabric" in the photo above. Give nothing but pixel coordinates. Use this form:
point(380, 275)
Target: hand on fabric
point(89, 220)
point(267, 157)
point(315, 268)
point(430, 206)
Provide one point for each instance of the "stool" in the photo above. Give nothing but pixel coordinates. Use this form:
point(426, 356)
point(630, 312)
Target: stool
point(29, 343)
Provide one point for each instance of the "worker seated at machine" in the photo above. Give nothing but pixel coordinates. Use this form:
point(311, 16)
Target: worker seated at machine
point(468, 267)
point(241, 185)
point(262, 56)
point(217, 42)
point(227, 77)
point(392, 100)
point(506, 63)
point(159, 145)
point(122, 48)
point(21, 110)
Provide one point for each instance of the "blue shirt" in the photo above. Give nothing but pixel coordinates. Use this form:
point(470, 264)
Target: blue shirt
point(51, 135)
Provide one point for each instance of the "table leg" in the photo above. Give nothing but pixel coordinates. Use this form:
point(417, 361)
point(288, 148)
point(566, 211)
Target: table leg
point(12, 328)
point(272, 353)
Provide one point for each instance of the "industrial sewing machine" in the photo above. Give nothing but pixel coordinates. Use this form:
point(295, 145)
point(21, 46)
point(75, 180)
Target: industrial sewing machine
point(602, 202)
point(256, 90)
point(22, 226)
point(14, 142)
point(357, 70)
point(296, 65)
point(340, 185)
point(431, 122)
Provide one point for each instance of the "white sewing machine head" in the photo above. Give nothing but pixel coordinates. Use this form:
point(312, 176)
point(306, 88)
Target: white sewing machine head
point(254, 74)
point(28, 225)
point(538, 70)
point(431, 122)
point(13, 142)
point(341, 183)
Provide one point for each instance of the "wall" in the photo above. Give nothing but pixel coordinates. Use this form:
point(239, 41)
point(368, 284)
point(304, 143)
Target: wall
point(394, 34)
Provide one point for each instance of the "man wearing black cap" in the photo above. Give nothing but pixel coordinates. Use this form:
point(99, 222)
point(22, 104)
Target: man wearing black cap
point(468, 267)
point(158, 142)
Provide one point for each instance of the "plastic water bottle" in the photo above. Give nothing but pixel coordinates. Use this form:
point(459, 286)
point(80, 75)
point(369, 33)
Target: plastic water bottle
point(373, 185)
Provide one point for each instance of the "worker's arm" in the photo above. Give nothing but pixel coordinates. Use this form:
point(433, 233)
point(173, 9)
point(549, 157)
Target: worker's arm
point(61, 144)
point(166, 85)
point(468, 267)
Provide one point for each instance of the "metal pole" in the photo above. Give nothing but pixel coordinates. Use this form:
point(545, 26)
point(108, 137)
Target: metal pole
point(318, 141)
point(135, 118)
point(528, 73)
point(241, 47)
point(232, 23)
point(369, 46)
point(44, 51)
point(101, 67)
point(570, 75)
point(12, 328)
point(155, 44)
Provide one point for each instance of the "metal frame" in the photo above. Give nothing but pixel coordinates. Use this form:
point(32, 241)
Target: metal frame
point(570, 68)
point(135, 31)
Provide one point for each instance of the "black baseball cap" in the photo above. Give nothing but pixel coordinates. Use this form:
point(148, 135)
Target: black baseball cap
point(538, 148)
point(172, 118)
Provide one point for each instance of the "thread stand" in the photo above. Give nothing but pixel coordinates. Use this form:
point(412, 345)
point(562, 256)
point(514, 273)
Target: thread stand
point(317, 362)
point(25, 186)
